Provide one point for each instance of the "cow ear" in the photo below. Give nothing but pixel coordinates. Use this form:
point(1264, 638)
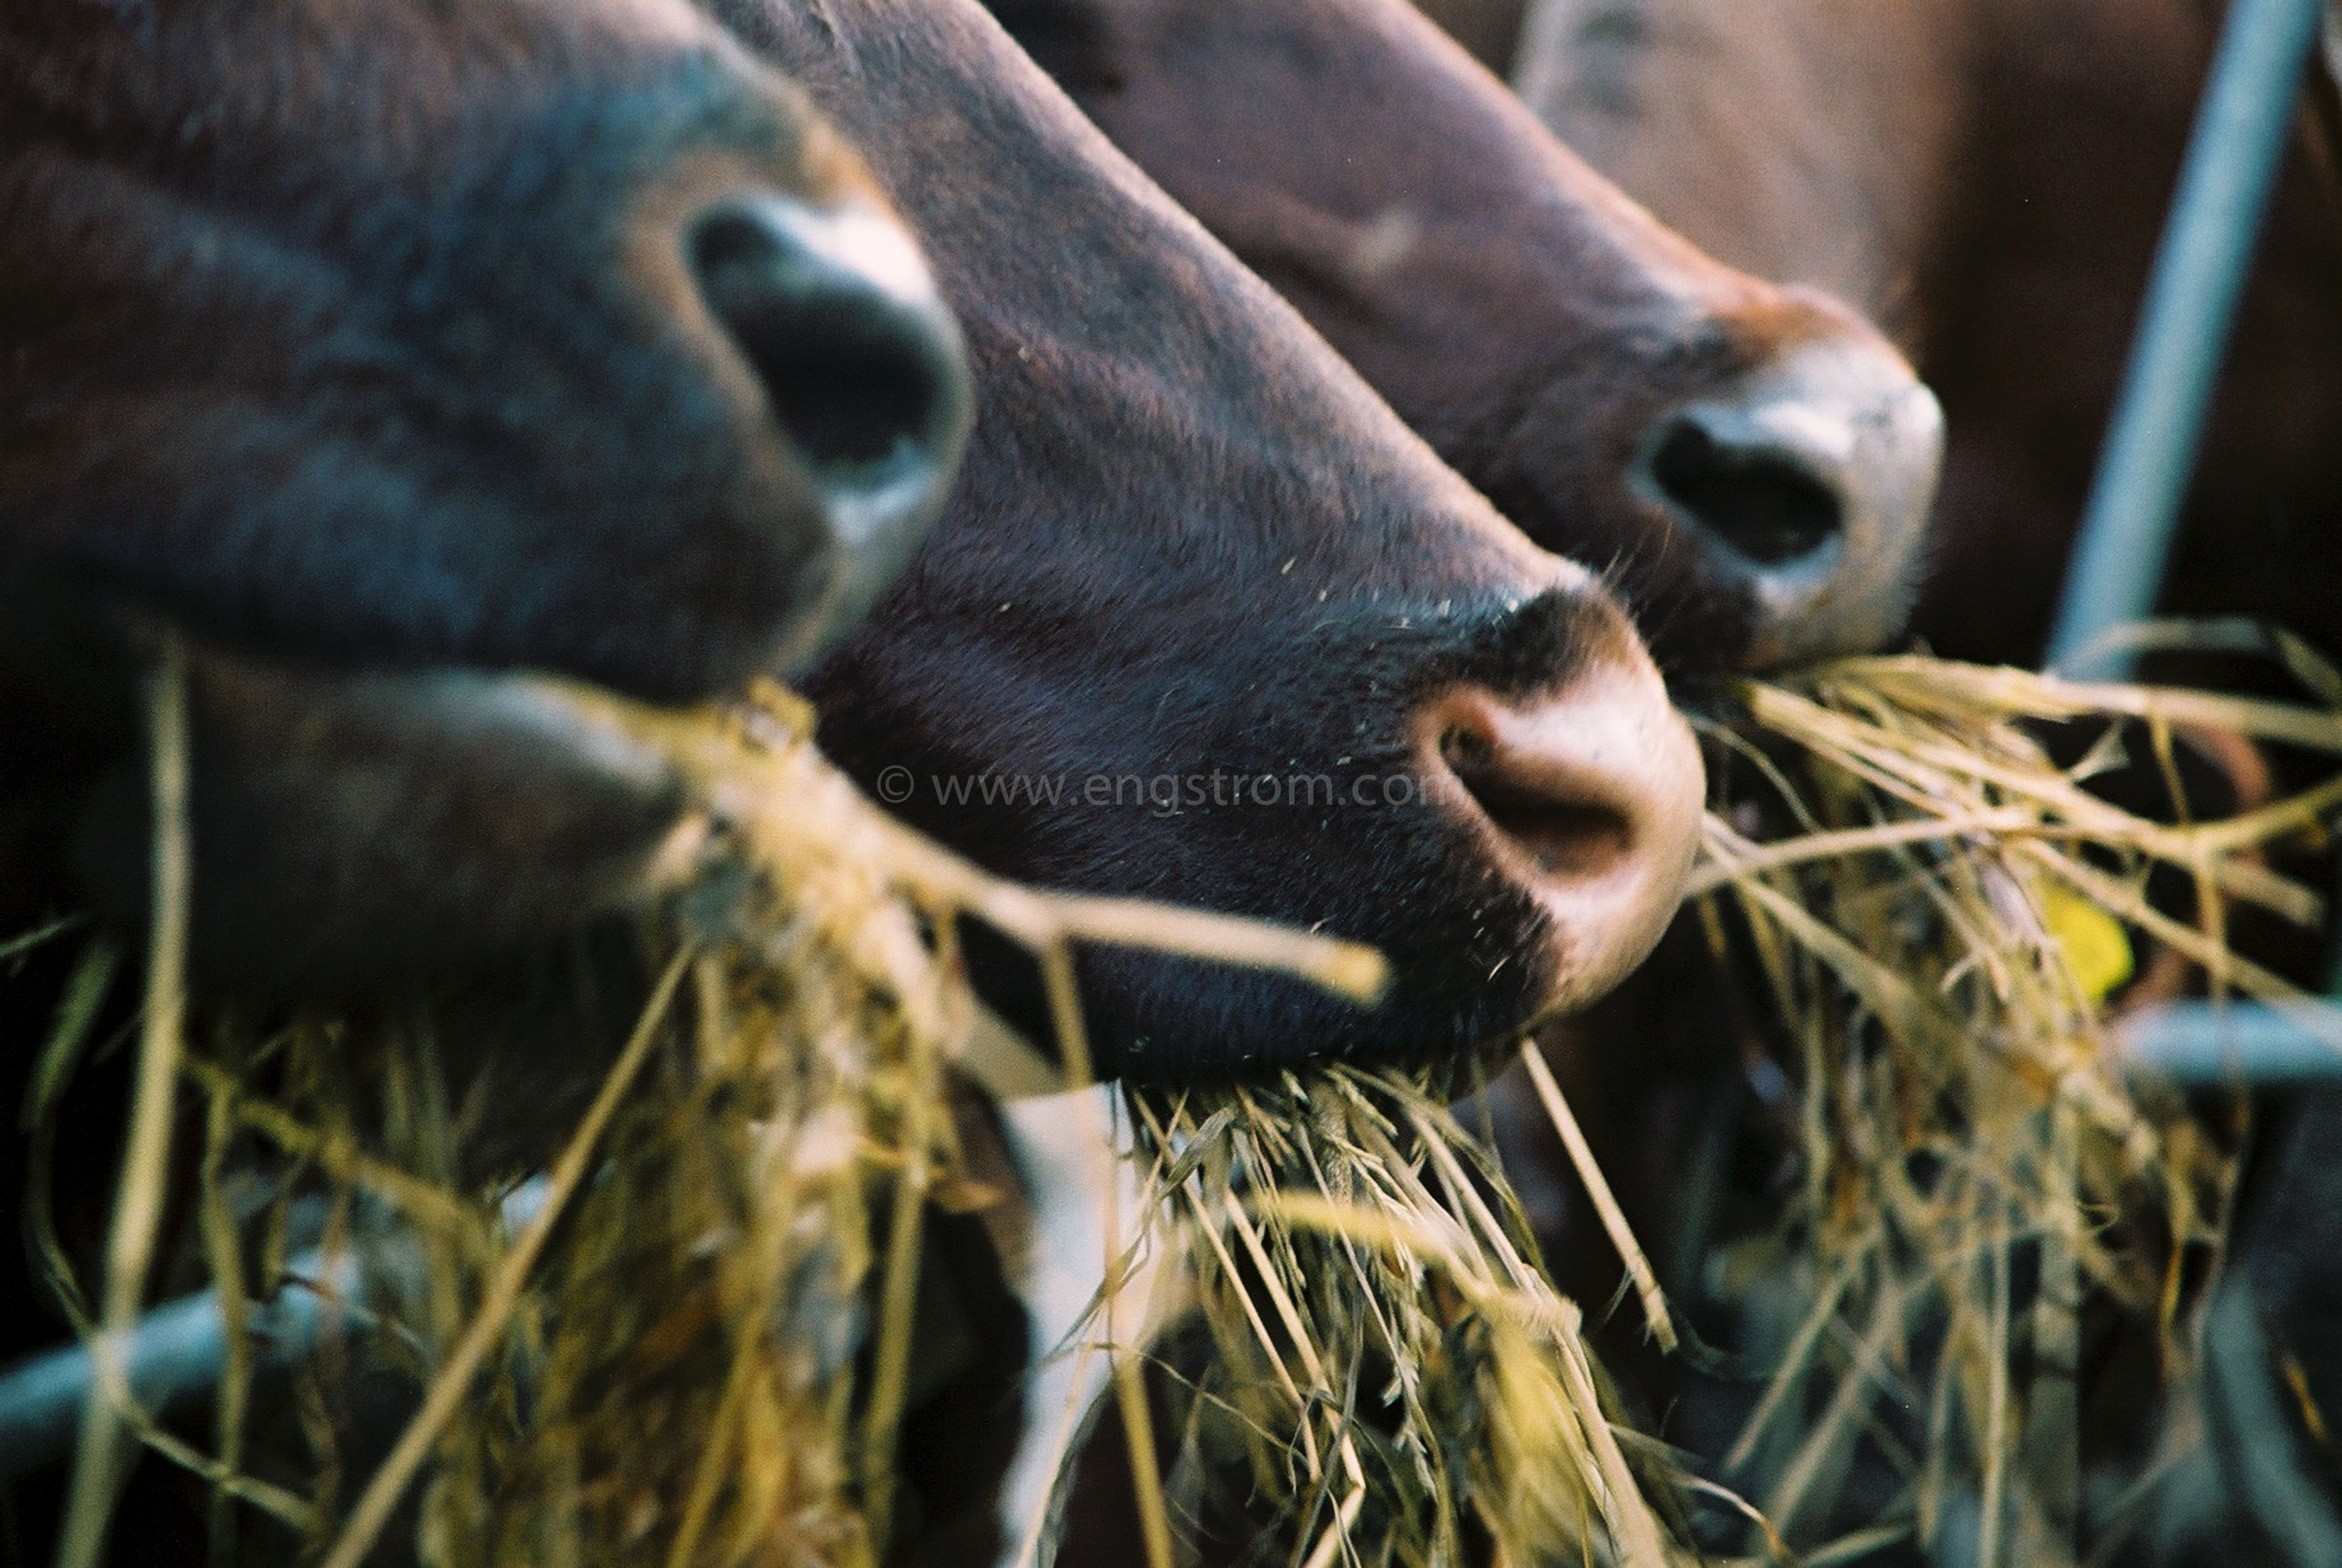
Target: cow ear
point(1077, 41)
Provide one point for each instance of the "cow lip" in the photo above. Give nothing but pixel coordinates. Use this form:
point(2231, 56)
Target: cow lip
point(504, 789)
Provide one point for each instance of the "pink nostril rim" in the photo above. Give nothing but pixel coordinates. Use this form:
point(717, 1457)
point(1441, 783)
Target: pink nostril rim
point(1587, 798)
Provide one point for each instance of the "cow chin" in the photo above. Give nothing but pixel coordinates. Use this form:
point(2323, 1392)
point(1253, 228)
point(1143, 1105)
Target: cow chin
point(345, 829)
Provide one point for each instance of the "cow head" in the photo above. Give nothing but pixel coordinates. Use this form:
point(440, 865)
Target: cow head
point(1205, 623)
point(380, 348)
point(1753, 465)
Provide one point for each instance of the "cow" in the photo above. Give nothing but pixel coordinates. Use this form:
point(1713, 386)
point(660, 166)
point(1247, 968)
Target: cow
point(377, 356)
point(1189, 545)
point(1752, 465)
point(377, 352)
point(1989, 177)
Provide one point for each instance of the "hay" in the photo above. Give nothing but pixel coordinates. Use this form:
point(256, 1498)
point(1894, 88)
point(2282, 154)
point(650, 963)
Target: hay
point(1396, 1380)
point(692, 1343)
point(1937, 911)
point(694, 1346)
point(1938, 914)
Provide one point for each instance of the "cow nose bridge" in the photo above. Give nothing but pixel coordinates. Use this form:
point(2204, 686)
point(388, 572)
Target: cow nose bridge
point(860, 362)
point(1806, 484)
point(1589, 797)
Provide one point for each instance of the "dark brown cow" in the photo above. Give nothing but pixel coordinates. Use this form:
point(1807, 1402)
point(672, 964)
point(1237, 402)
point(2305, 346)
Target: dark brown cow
point(1753, 465)
point(380, 348)
point(1189, 545)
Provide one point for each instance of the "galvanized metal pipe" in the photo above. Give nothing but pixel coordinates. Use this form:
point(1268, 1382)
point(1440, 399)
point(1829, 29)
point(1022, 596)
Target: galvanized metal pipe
point(176, 1353)
point(2200, 1045)
point(2200, 268)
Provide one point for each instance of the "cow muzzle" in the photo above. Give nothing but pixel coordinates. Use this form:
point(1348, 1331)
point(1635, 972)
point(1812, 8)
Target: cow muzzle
point(1806, 488)
point(1589, 798)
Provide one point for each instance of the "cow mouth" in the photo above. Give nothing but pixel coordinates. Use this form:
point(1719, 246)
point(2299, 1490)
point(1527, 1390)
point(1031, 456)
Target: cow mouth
point(349, 826)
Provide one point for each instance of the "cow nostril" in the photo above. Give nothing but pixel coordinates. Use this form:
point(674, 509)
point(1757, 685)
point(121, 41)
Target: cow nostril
point(1564, 832)
point(1564, 838)
point(1587, 798)
point(834, 313)
point(1759, 500)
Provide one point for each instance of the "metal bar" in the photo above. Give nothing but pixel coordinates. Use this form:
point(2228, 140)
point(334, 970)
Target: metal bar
point(173, 1355)
point(2200, 265)
point(176, 1352)
point(2201, 1044)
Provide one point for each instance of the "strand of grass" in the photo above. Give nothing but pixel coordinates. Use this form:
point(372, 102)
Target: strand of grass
point(1891, 761)
point(1994, 1438)
point(1605, 1204)
point(1130, 1385)
point(1793, 1363)
point(707, 1480)
point(146, 1153)
point(734, 782)
point(335, 1152)
point(1464, 1193)
point(70, 1035)
point(1729, 856)
point(1273, 1282)
point(1633, 1527)
point(1821, 1443)
point(25, 941)
point(898, 1301)
point(2051, 1435)
point(1776, 1549)
point(1189, 1191)
point(1854, 1547)
point(1289, 1314)
point(1370, 1299)
point(225, 1256)
point(66, 1290)
point(2252, 978)
point(1901, 1009)
point(2020, 693)
point(2301, 813)
point(453, 1383)
point(1347, 1513)
point(1888, 762)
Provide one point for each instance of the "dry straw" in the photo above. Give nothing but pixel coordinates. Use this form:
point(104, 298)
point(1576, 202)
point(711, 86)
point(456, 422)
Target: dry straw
point(1937, 910)
point(1389, 1378)
point(694, 1347)
point(1936, 918)
point(695, 1350)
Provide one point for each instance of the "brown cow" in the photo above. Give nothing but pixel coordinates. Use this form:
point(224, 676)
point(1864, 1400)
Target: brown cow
point(1989, 177)
point(380, 348)
point(1189, 545)
point(1752, 464)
